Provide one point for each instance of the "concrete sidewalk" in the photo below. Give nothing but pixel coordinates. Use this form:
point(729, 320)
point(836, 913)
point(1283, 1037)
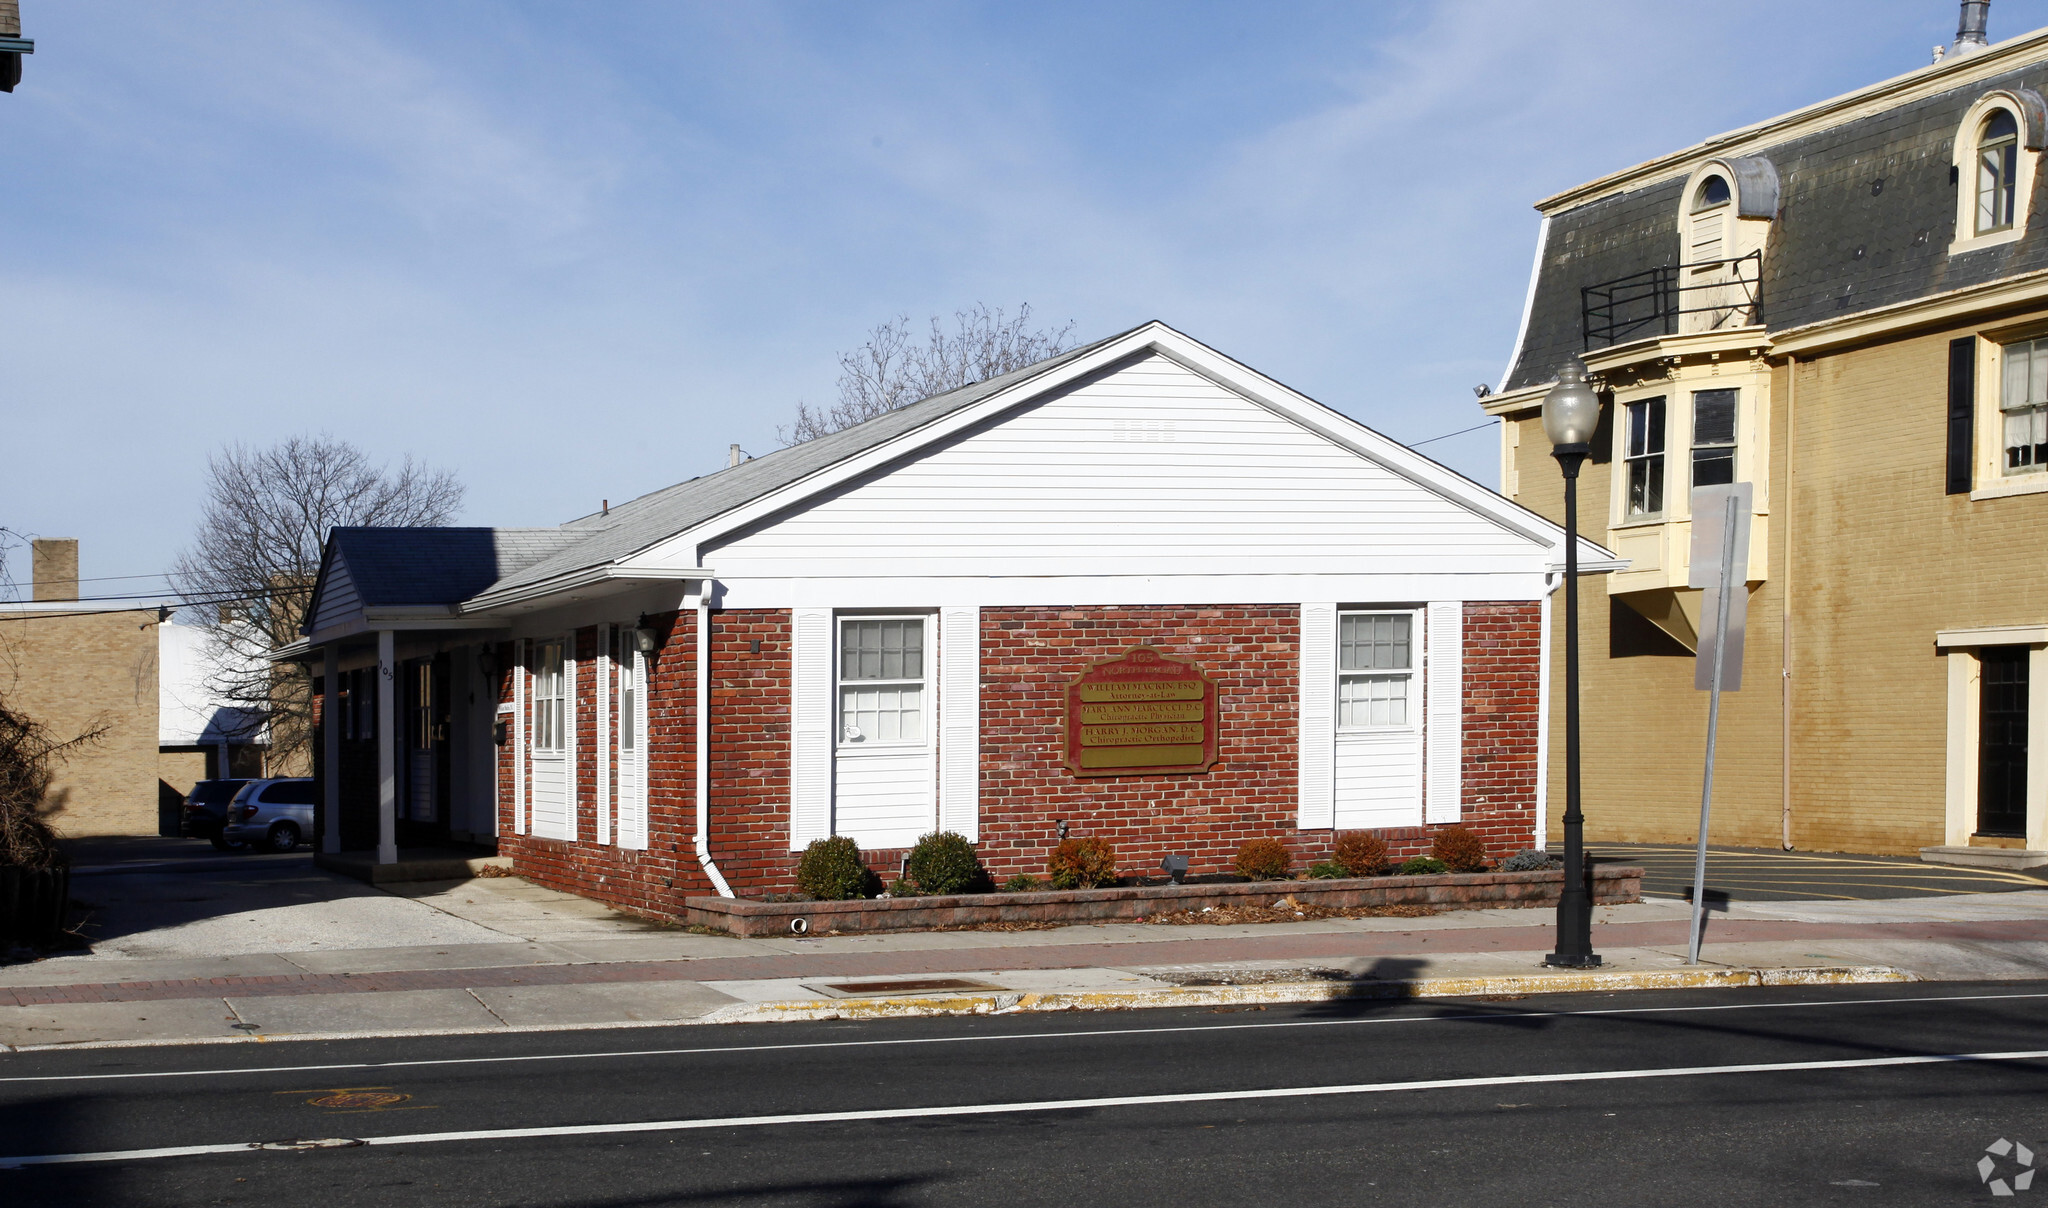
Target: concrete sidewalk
point(501, 954)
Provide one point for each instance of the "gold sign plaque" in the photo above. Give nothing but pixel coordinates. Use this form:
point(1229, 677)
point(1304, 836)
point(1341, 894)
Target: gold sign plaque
point(1139, 714)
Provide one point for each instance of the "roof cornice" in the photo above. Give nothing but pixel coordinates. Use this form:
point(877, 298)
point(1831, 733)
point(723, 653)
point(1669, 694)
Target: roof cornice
point(1912, 86)
point(2030, 289)
point(577, 584)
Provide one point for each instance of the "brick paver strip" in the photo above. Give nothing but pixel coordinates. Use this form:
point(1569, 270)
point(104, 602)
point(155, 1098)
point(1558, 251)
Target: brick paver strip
point(1166, 951)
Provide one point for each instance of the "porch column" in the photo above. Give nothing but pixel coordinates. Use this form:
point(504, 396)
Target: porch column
point(330, 751)
point(387, 748)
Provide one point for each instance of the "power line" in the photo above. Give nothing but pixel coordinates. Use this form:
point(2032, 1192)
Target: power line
point(1448, 435)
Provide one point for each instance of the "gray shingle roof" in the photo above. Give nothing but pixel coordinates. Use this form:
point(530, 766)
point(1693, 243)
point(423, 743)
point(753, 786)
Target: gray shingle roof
point(1867, 211)
point(632, 526)
point(400, 567)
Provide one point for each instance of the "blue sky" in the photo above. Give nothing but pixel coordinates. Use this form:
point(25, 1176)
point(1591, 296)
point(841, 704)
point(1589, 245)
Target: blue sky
point(573, 250)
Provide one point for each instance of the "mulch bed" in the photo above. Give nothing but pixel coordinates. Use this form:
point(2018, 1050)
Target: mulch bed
point(1287, 910)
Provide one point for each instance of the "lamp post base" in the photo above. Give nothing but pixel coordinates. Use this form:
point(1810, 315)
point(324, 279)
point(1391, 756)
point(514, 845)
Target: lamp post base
point(1560, 960)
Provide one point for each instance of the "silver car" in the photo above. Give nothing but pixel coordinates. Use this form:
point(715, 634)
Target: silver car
point(271, 815)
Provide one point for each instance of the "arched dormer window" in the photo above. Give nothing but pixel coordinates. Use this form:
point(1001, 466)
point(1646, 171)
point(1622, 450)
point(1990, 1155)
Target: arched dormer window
point(1998, 160)
point(1707, 225)
point(1997, 145)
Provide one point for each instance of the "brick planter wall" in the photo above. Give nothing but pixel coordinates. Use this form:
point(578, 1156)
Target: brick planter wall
point(1612, 885)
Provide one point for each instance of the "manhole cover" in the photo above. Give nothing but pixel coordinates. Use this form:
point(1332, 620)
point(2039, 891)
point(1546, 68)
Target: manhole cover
point(916, 986)
point(359, 1099)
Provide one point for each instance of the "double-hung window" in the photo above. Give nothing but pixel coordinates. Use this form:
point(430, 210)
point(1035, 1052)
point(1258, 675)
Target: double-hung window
point(881, 680)
point(1643, 454)
point(1375, 670)
point(1713, 437)
point(550, 700)
point(2023, 405)
point(1708, 225)
point(1998, 158)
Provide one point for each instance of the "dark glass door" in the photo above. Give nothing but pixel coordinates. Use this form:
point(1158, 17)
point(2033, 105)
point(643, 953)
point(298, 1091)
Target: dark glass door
point(2002, 739)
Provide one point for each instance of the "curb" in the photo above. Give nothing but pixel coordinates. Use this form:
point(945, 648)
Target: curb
point(1004, 1002)
point(1520, 984)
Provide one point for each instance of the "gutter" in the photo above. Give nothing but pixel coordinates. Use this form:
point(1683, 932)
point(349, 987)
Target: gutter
point(589, 576)
point(702, 842)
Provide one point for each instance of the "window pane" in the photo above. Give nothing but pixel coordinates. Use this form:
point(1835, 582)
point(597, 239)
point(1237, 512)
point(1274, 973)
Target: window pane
point(2000, 125)
point(2026, 439)
point(881, 714)
point(1654, 440)
point(2037, 375)
point(1713, 417)
point(2019, 359)
point(881, 650)
point(1646, 487)
point(1372, 700)
point(1713, 467)
point(1374, 642)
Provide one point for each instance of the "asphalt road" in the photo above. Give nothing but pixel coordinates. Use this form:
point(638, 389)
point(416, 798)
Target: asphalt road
point(1745, 874)
point(1581, 1099)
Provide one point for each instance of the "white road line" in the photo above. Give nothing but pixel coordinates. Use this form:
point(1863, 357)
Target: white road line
point(1041, 1105)
point(1463, 1017)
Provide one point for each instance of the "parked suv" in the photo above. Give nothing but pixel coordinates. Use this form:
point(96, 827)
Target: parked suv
point(273, 815)
point(206, 810)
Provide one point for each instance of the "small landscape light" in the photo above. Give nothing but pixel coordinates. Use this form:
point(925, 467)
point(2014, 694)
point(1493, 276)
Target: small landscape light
point(1175, 867)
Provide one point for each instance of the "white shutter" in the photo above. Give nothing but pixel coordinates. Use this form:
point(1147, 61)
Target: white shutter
point(1443, 655)
point(1316, 765)
point(571, 718)
point(960, 721)
point(810, 727)
point(601, 694)
point(519, 723)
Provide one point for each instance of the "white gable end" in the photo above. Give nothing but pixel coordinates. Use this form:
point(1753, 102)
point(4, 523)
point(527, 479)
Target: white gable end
point(1149, 470)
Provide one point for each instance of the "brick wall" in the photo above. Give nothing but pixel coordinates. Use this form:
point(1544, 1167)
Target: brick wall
point(74, 673)
point(1028, 656)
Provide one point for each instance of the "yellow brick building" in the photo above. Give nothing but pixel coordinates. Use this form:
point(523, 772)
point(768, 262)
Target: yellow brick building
point(1847, 307)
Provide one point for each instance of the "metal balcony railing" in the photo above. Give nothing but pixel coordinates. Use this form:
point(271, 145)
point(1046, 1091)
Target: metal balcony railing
point(1655, 302)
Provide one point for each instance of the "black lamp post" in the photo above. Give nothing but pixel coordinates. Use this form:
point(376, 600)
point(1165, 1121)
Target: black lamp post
point(1571, 412)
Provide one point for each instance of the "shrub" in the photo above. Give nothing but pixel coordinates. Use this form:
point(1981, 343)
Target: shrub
point(942, 862)
point(1459, 849)
point(1263, 860)
point(900, 888)
point(1023, 882)
point(1530, 861)
point(1362, 854)
point(830, 870)
point(1082, 863)
point(1422, 866)
point(1323, 870)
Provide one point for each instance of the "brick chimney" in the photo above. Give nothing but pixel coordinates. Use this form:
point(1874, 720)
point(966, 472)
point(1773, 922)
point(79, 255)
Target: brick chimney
point(54, 564)
point(10, 18)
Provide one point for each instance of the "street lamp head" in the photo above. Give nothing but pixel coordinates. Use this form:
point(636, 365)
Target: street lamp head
point(1571, 411)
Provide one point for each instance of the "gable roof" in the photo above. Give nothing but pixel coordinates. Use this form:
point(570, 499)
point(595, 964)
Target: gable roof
point(639, 523)
point(474, 570)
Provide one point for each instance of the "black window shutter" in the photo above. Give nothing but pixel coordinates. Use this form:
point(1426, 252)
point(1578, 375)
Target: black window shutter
point(1962, 396)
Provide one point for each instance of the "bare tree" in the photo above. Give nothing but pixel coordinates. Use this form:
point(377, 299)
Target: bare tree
point(257, 552)
point(891, 370)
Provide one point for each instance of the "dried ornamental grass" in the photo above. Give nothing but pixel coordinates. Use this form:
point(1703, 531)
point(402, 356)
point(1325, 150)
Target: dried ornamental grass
point(1263, 860)
point(1362, 854)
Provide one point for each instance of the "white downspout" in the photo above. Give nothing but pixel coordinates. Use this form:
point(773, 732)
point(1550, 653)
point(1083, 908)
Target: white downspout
point(1551, 582)
point(703, 760)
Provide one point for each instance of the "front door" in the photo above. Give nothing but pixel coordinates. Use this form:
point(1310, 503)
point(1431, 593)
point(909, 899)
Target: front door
point(2002, 726)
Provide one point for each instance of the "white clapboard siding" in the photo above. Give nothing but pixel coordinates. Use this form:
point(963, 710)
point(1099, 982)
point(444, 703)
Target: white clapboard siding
point(960, 721)
point(1152, 469)
point(1379, 779)
point(339, 601)
point(1315, 782)
point(1443, 658)
point(883, 798)
point(601, 755)
point(810, 727)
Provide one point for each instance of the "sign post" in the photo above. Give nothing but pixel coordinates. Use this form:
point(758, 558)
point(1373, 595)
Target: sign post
point(1720, 567)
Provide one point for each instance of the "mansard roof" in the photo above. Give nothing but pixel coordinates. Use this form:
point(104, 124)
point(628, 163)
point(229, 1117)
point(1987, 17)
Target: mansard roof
point(1866, 209)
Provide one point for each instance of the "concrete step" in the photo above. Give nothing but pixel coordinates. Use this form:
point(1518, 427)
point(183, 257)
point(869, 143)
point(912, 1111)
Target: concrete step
point(2013, 858)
